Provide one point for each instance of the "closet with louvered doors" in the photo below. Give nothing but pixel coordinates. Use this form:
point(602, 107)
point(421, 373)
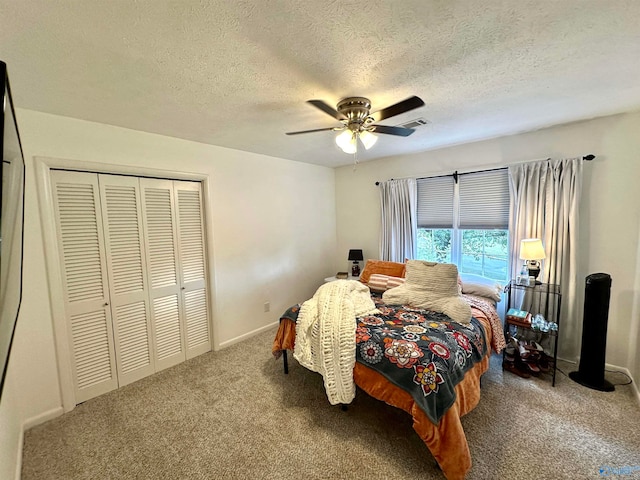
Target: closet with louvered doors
point(133, 263)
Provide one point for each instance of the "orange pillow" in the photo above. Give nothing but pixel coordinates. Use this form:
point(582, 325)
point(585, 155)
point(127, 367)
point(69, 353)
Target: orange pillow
point(383, 267)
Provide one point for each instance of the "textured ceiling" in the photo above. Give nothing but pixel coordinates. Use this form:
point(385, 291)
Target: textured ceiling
point(238, 73)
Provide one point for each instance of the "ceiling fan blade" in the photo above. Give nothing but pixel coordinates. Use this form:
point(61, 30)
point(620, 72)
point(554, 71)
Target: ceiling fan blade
point(311, 131)
point(403, 132)
point(398, 108)
point(327, 109)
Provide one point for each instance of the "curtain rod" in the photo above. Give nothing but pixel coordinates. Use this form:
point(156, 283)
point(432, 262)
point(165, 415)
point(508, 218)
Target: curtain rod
point(455, 174)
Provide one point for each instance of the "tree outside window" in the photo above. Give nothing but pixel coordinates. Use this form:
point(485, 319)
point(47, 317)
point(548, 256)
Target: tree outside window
point(480, 252)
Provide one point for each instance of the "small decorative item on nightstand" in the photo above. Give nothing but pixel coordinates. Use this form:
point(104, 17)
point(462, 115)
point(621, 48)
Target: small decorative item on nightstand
point(519, 317)
point(355, 256)
point(342, 275)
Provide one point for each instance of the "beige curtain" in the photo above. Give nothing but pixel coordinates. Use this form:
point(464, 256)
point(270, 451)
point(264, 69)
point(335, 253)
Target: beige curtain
point(545, 197)
point(398, 206)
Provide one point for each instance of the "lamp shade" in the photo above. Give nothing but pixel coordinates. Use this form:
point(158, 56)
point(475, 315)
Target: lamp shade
point(368, 139)
point(531, 249)
point(356, 255)
point(347, 141)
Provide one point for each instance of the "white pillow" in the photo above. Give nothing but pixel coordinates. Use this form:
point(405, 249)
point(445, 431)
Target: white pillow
point(481, 286)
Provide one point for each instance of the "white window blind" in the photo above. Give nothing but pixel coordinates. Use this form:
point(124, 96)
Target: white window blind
point(435, 202)
point(484, 199)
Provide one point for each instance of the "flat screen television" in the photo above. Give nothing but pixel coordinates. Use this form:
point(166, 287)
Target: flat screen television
point(11, 223)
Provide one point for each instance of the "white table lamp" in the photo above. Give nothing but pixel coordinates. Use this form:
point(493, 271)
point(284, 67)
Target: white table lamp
point(532, 251)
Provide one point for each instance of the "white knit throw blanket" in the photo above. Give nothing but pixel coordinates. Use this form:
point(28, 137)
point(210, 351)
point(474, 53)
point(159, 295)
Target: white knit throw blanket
point(326, 335)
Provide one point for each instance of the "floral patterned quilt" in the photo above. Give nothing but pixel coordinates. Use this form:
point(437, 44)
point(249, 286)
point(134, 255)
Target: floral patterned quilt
point(421, 351)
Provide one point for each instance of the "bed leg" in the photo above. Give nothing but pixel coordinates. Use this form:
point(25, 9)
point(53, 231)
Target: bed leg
point(286, 362)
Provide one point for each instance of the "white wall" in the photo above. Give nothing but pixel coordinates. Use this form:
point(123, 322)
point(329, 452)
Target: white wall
point(273, 231)
point(609, 210)
point(10, 426)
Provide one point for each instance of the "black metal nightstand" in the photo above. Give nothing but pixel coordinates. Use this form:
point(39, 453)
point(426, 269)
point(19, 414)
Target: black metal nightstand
point(532, 331)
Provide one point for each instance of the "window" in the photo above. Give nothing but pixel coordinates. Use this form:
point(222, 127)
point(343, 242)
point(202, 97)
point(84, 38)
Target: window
point(485, 252)
point(434, 244)
point(466, 222)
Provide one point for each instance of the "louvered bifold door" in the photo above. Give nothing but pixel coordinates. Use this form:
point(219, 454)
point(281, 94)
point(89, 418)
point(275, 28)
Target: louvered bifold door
point(82, 257)
point(162, 262)
point(126, 267)
point(192, 266)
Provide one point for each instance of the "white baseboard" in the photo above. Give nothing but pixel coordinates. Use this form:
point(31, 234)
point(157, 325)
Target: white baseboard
point(30, 423)
point(634, 385)
point(228, 343)
point(574, 362)
point(43, 417)
point(615, 368)
point(19, 458)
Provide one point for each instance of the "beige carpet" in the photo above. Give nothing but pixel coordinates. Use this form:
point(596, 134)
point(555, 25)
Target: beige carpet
point(234, 415)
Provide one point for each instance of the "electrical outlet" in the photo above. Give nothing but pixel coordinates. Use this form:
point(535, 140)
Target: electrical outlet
point(267, 307)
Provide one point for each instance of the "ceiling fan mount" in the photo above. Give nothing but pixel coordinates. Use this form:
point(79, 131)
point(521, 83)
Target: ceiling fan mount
point(356, 110)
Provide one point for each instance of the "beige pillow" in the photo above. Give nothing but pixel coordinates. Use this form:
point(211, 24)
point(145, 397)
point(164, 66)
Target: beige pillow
point(432, 286)
point(481, 286)
point(490, 293)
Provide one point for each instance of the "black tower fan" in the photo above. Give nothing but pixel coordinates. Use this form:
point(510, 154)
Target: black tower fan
point(594, 333)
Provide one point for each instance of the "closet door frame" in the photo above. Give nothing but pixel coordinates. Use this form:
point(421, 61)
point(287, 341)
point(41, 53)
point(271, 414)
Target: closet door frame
point(44, 187)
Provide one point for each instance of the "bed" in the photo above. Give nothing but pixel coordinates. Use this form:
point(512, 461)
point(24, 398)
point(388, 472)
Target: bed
point(424, 363)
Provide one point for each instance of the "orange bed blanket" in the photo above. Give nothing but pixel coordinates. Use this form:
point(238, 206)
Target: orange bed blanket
point(446, 440)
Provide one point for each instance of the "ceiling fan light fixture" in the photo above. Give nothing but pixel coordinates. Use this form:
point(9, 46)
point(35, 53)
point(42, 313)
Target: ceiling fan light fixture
point(368, 139)
point(347, 141)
